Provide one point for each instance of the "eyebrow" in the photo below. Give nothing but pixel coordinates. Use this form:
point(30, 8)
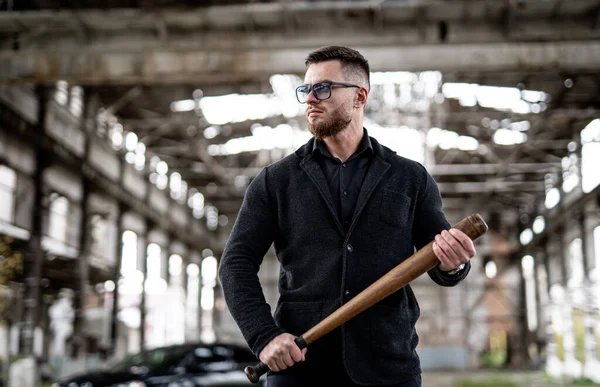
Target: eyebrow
point(325, 80)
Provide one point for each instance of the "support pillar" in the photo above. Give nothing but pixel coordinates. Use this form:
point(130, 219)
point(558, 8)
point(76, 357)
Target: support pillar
point(80, 335)
point(143, 265)
point(114, 323)
point(33, 263)
point(544, 302)
point(554, 365)
point(591, 367)
point(114, 326)
point(572, 367)
point(79, 324)
point(34, 260)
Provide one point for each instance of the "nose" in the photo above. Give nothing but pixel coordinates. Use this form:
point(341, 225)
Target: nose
point(311, 99)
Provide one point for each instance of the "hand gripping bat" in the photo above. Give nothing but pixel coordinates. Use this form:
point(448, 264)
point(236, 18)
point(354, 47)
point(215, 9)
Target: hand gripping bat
point(411, 268)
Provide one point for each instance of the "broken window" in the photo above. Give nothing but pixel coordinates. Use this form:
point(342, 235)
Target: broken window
point(8, 184)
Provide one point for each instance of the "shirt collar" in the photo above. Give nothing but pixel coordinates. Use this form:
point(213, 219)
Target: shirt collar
point(364, 145)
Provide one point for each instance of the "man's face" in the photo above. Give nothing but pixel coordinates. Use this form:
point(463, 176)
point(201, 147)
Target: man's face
point(331, 116)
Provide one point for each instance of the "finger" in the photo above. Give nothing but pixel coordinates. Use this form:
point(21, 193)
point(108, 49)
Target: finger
point(453, 245)
point(280, 363)
point(267, 359)
point(287, 359)
point(464, 240)
point(304, 354)
point(296, 353)
point(272, 364)
point(442, 257)
point(445, 249)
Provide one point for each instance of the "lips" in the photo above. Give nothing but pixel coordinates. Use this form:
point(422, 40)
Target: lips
point(312, 112)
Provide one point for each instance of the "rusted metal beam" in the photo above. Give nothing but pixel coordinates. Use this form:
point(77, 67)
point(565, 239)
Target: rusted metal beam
point(201, 66)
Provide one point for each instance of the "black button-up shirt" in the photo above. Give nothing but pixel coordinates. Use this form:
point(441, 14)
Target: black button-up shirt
point(345, 178)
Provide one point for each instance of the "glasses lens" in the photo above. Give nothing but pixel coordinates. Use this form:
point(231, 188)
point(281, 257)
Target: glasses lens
point(322, 90)
point(302, 92)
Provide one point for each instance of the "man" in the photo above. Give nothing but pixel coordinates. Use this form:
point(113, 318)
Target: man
point(341, 211)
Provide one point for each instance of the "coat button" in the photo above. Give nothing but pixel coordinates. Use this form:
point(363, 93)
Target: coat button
point(350, 248)
point(347, 293)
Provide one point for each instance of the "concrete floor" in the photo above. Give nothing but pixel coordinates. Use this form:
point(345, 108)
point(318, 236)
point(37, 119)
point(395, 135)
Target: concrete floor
point(483, 378)
point(512, 378)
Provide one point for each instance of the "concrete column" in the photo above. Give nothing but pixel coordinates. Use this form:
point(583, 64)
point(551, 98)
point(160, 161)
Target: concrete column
point(87, 126)
point(572, 367)
point(591, 368)
point(4, 345)
point(80, 336)
point(542, 282)
point(538, 270)
point(34, 261)
point(185, 261)
point(192, 283)
point(142, 266)
point(114, 334)
point(554, 366)
point(114, 322)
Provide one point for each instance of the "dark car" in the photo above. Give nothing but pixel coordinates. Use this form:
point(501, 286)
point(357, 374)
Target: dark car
point(184, 365)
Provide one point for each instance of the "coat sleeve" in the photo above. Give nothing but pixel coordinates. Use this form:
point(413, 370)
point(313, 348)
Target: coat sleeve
point(430, 221)
point(251, 236)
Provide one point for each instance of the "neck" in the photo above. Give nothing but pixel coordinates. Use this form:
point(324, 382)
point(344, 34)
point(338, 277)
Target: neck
point(345, 143)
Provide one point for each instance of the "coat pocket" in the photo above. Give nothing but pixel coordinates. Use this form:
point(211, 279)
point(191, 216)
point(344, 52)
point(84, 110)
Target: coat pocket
point(395, 208)
point(388, 331)
point(298, 317)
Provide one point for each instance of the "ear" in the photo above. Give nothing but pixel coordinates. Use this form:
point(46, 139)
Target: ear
point(361, 98)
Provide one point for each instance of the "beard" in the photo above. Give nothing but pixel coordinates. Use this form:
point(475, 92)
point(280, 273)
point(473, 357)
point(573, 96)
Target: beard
point(339, 120)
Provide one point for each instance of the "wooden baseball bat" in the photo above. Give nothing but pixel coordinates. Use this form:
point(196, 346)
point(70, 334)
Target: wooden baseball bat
point(411, 268)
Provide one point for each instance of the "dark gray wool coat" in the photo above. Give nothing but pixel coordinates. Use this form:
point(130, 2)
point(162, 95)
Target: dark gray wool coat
point(399, 209)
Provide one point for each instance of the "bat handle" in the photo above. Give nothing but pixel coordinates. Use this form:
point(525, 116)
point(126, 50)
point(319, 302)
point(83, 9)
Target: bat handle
point(255, 372)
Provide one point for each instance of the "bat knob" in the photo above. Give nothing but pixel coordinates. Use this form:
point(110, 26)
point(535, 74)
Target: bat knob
point(479, 224)
point(255, 372)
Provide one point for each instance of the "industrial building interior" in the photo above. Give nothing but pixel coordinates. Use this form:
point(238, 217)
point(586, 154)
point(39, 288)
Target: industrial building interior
point(130, 130)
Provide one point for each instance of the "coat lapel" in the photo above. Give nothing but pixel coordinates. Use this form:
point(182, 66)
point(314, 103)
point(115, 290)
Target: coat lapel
point(313, 170)
point(374, 175)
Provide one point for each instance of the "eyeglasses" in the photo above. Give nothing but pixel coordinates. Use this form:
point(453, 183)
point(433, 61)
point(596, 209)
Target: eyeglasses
point(321, 90)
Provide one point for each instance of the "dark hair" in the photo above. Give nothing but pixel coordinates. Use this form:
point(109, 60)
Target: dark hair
point(352, 61)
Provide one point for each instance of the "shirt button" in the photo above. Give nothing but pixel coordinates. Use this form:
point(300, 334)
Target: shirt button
point(347, 293)
point(345, 193)
point(350, 248)
point(344, 165)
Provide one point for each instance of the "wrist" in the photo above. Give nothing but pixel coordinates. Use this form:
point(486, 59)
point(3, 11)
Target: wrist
point(455, 270)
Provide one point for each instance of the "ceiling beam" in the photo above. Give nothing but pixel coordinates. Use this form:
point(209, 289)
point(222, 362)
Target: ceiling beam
point(168, 64)
point(490, 169)
point(435, 170)
point(551, 118)
point(491, 186)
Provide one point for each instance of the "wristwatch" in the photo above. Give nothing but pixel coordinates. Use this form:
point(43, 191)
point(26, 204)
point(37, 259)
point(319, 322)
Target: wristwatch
point(459, 268)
